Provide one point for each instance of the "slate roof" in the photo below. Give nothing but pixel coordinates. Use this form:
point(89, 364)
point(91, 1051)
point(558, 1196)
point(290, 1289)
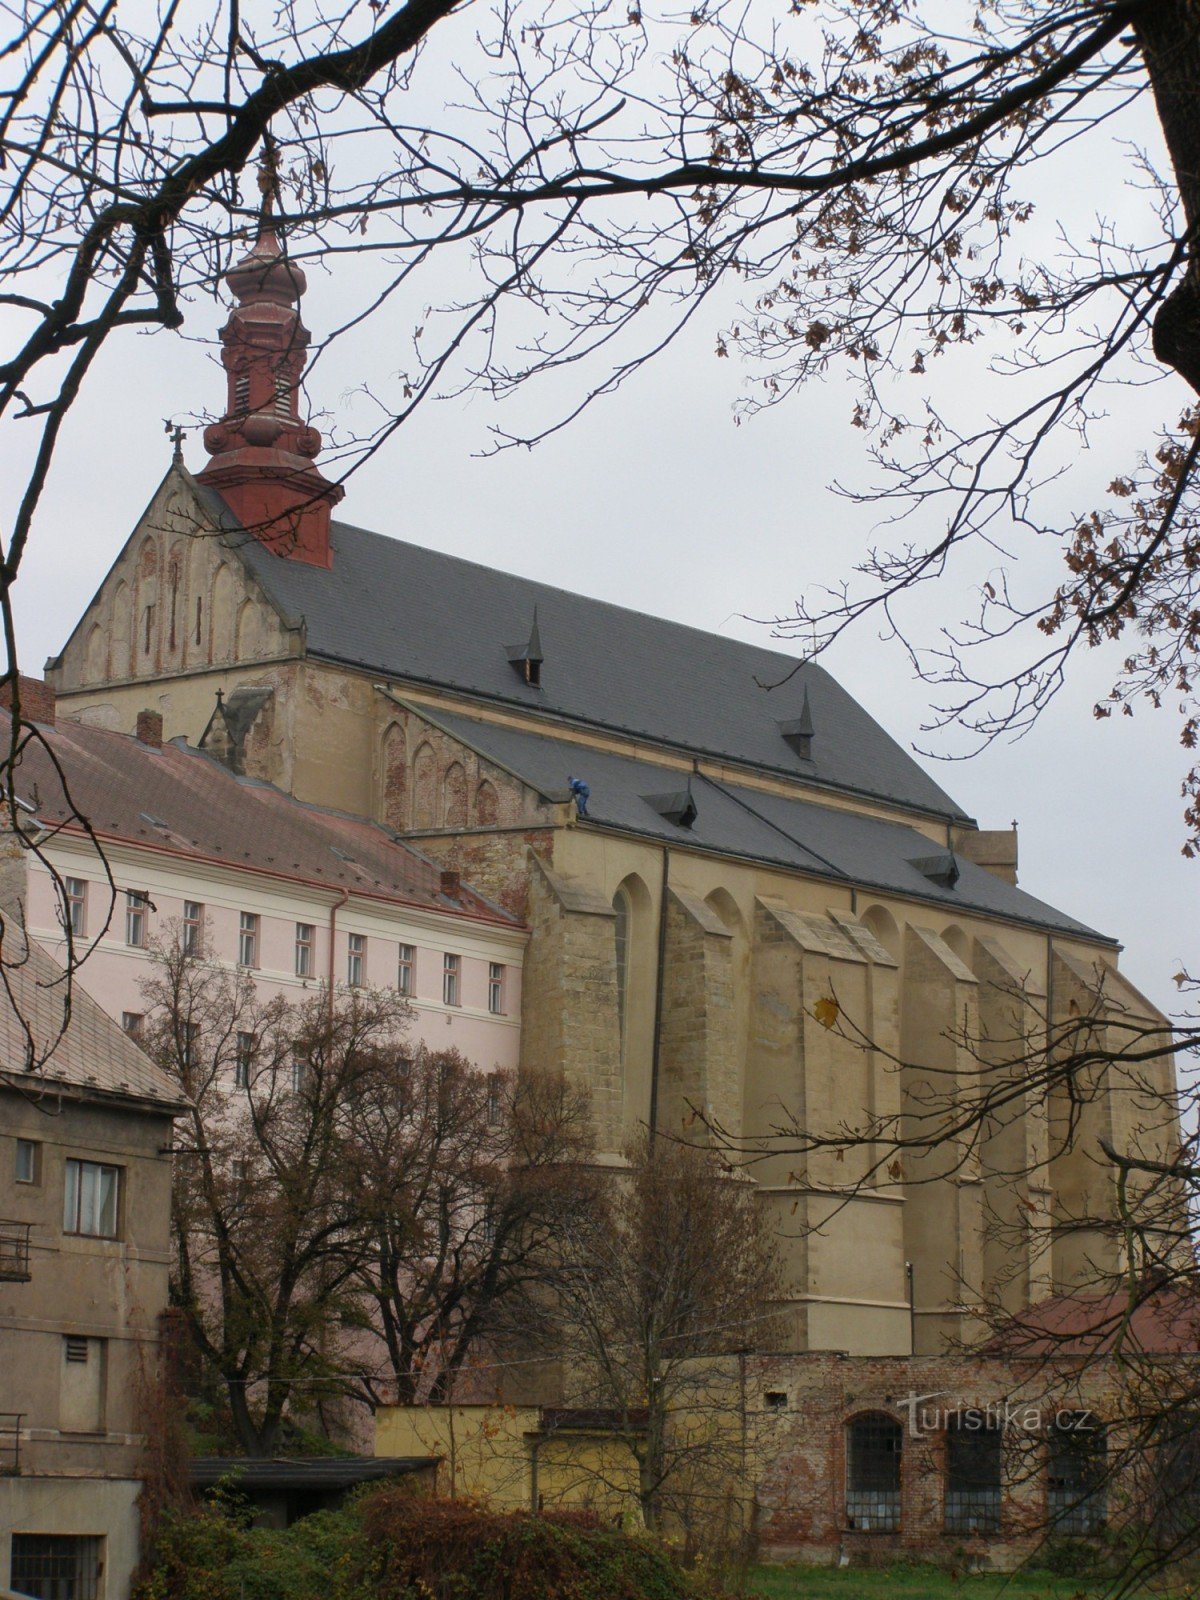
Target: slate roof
point(730, 818)
point(416, 614)
point(303, 1472)
point(182, 801)
point(92, 1053)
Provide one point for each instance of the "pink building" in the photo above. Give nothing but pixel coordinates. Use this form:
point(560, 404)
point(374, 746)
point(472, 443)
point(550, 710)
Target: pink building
point(298, 895)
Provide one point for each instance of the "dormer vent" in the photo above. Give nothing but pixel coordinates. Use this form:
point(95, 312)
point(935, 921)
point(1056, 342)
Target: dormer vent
point(941, 869)
point(678, 807)
point(527, 658)
point(798, 731)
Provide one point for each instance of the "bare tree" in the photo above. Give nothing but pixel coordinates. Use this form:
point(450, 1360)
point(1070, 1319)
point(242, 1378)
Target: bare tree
point(268, 1219)
point(675, 1273)
point(470, 1182)
point(864, 178)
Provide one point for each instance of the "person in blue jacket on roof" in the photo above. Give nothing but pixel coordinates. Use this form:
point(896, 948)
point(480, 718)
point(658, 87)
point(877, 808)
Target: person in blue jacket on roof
point(582, 794)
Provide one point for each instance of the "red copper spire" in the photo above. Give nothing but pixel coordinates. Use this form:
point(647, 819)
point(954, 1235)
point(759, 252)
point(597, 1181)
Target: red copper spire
point(261, 453)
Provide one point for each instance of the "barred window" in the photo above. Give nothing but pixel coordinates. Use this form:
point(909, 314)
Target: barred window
point(874, 1443)
point(56, 1566)
point(974, 1474)
point(1076, 1469)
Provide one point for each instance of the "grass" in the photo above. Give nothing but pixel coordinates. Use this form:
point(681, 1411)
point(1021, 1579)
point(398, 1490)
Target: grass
point(913, 1583)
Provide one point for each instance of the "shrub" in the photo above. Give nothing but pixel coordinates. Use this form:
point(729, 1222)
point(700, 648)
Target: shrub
point(390, 1544)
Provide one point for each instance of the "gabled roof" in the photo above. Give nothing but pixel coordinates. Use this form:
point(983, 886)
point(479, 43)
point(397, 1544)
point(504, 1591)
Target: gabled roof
point(418, 615)
point(91, 1054)
point(179, 800)
point(732, 819)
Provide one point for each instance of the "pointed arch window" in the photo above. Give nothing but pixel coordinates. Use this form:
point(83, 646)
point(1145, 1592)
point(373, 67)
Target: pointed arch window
point(624, 910)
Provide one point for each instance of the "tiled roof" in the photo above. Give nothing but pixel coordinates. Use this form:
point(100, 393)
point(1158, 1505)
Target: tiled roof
point(1151, 1321)
point(732, 819)
point(180, 800)
point(91, 1053)
point(418, 615)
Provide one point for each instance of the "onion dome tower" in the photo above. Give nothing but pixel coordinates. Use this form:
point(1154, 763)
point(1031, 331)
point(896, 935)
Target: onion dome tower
point(261, 453)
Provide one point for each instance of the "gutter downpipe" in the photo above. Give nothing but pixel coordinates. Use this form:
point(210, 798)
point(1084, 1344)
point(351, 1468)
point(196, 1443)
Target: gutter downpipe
point(333, 911)
point(658, 994)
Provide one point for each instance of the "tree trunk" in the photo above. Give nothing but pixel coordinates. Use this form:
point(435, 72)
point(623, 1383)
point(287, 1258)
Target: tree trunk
point(1168, 34)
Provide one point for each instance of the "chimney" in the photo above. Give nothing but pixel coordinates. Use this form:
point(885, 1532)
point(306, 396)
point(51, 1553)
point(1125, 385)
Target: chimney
point(149, 728)
point(451, 883)
point(37, 699)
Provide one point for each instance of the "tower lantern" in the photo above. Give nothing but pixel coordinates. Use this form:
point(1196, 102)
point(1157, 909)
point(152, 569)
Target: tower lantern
point(261, 452)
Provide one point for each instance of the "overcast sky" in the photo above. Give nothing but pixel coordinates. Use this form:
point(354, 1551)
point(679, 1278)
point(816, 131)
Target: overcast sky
point(655, 500)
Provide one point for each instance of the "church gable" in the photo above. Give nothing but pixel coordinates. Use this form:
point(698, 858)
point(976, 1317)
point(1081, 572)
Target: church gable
point(428, 781)
point(178, 598)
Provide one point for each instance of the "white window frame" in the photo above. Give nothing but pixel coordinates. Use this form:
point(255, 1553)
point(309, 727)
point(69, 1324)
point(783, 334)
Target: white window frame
point(193, 926)
point(137, 918)
point(406, 964)
point(356, 959)
point(306, 941)
point(75, 895)
point(91, 1199)
point(248, 931)
point(451, 979)
point(496, 987)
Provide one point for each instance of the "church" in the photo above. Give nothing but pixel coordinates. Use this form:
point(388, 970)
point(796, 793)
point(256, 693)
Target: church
point(748, 908)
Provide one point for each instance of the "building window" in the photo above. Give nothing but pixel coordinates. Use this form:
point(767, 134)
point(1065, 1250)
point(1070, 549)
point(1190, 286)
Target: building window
point(237, 1170)
point(873, 1445)
point(404, 971)
point(1076, 1470)
point(90, 1199)
point(133, 1023)
point(305, 935)
point(356, 960)
point(622, 908)
point(404, 1071)
point(29, 1161)
point(775, 1400)
point(283, 395)
point(496, 988)
point(241, 1061)
point(56, 1566)
point(189, 1037)
point(299, 1075)
point(241, 392)
point(248, 939)
point(193, 926)
point(489, 1223)
point(973, 1474)
point(451, 978)
point(75, 896)
point(494, 1104)
point(148, 638)
point(136, 906)
point(199, 617)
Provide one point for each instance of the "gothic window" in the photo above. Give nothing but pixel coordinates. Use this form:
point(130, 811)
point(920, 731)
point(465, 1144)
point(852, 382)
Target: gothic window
point(172, 615)
point(973, 1474)
point(394, 768)
point(454, 797)
point(487, 805)
point(1076, 1462)
point(148, 625)
point(874, 1443)
point(622, 908)
point(199, 616)
point(424, 788)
